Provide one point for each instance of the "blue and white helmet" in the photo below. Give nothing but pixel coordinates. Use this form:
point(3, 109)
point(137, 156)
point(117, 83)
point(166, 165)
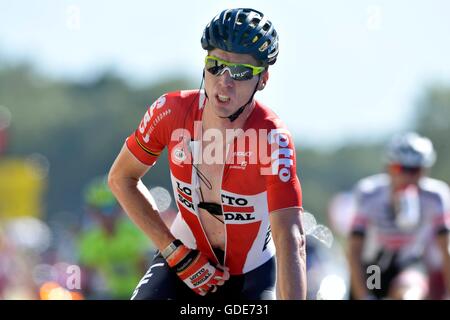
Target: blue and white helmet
point(411, 150)
point(242, 30)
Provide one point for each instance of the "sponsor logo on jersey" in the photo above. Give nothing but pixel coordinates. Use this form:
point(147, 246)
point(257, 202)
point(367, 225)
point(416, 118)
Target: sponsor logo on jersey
point(144, 122)
point(184, 196)
point(233, 201)
point(237, 209)
point(238, 216)
point(179, 154)
point(148, 116)
point(282, 156)
point(158, 104)
point(245, 156)
point(268, 238)
point(240, 166)
point(242, 153)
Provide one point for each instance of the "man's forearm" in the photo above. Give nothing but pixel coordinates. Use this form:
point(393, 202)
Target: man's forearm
point(446, 273)
point(137, 203)
point(444, 244)
point(291, 270)
point(357, 278)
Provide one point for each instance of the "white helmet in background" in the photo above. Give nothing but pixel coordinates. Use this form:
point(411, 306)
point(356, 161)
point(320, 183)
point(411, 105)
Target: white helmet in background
point(411, 150)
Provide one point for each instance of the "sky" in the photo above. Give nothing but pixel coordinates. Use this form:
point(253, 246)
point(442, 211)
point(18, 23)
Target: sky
point(348, 70)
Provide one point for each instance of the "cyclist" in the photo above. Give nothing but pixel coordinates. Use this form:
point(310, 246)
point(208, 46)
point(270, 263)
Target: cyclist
point(111, 250)
point(399, 214)
point(231, 198)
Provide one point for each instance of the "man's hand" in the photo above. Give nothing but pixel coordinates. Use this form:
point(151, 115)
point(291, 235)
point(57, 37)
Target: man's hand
point(195, 270)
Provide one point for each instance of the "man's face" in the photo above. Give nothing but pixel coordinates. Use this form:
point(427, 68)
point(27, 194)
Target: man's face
point(225, 94)
point(403, 176)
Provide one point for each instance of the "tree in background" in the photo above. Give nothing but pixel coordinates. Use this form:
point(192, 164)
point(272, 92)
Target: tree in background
point(79, 127)
point(433, 121)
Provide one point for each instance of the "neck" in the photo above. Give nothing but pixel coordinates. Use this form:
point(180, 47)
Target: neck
point(211, 120)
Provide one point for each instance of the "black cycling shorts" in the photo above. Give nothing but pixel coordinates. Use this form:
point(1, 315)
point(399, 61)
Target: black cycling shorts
point(162, 283)
point(390, 269)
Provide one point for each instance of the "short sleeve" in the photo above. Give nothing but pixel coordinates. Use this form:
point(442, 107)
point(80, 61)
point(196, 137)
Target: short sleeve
point(282, 184)
point(360, 218)
point(152, 135)
point(441, 219)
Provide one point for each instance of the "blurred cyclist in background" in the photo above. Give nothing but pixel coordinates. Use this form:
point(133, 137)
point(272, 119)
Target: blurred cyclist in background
point(112, 250)
point(399, 215)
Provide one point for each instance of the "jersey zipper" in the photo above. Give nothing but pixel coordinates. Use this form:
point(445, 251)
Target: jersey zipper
point(195, 179)
point(221, 202)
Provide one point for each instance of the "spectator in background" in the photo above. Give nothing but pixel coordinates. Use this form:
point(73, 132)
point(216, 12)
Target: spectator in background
point(112, 250)
point(3, 256)
point(16, 266)
point(399, 215)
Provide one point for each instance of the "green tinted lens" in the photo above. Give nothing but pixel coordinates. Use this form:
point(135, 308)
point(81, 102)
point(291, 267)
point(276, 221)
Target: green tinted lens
point(238, 71)
point(212, 66)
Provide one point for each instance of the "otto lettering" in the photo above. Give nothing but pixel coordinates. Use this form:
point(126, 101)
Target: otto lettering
point(202, 280)
point(234, 201)
point(282, 157)
point(280, 137)
point(284, 174)
point(196, 275)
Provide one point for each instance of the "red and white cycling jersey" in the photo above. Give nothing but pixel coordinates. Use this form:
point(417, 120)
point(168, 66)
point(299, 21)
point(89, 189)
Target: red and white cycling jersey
point(375, 217)
point(259, 175)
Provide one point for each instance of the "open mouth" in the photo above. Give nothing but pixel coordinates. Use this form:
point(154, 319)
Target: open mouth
point(223, 98)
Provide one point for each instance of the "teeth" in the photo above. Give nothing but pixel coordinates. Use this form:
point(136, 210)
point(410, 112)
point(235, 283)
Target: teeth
point(223, 98)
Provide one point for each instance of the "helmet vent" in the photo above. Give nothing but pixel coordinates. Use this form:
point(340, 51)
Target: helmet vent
point(254, 22)
point(241, 19)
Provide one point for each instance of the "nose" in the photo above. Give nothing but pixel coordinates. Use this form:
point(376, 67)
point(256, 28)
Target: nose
point(225, 78)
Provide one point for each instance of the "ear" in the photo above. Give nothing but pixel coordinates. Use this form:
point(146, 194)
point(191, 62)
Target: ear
point(263, 80)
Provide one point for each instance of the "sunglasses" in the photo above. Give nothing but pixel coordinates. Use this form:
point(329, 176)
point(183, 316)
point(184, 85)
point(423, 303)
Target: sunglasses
point(407, 170)
point(238, 71)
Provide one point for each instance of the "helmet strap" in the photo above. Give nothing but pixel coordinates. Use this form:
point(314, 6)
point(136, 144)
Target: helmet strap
point(201, 84)
point(238, 112)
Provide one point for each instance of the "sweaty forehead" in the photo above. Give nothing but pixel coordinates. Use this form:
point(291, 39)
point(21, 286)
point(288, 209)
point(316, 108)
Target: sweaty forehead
point(234, 57)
